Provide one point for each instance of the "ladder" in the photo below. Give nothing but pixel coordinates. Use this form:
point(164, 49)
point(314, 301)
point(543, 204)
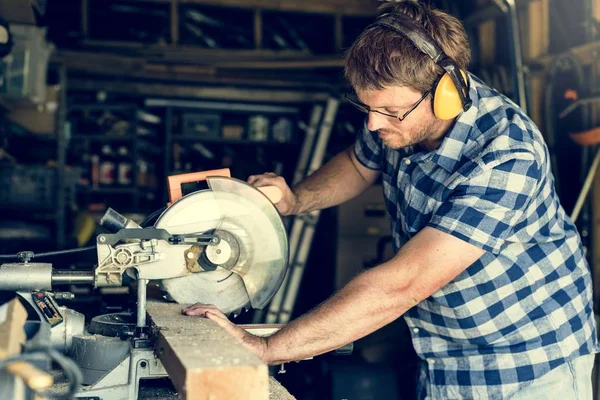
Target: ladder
point(304, 225)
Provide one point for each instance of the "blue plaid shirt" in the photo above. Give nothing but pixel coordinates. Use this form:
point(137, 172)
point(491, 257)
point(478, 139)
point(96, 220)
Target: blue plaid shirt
point(523, 308)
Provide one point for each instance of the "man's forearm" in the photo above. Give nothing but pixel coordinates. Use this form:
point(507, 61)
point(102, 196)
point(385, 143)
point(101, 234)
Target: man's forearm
point(376, 297)
point(360, 308)
point(336, 182)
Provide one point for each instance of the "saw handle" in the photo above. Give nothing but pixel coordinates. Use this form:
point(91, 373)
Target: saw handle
point(273, 193)
point(174, 183)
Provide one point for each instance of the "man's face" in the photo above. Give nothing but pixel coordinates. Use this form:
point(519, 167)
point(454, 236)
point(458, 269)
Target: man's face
point(420, 125)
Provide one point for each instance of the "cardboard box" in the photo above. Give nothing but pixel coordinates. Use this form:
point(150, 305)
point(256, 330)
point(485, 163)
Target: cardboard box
point(17, 11)
point(40, 119)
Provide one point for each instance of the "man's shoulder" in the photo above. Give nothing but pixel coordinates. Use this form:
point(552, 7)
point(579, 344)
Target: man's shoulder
point(499, 125)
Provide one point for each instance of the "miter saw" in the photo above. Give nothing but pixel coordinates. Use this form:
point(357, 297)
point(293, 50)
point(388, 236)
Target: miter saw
point(225, 245)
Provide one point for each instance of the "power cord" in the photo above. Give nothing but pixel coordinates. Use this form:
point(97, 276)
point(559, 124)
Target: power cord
point(29, 254)
point(71, 370)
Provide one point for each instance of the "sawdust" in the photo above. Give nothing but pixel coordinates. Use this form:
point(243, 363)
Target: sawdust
point(61, 384)
point(163, 391)
point(277, 391)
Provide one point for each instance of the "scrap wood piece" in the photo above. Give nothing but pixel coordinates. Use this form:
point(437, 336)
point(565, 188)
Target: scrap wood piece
point(203, 360)
point(12, 335)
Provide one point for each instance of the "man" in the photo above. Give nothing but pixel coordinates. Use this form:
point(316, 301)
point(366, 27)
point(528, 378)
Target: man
point(492, 279)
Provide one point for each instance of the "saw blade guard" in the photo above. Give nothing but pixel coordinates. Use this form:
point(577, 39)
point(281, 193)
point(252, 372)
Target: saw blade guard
point(230, 209)
point(263, 240)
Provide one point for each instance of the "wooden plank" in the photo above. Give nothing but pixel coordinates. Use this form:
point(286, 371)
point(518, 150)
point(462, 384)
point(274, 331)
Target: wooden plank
point(85, 19)
point(487, 42)
point(174, 21)
point(596, 235)
point(339, 31)
point(538, 36)
point(192, 54)
point(197, 91)
point(346, 7)
point(204, 361)
point(258, 29)
point(12, 335)
point(536, 100)
point(317, 62)
point(596, 9)
point(536, 40)
point(486, 31)
point(595, 229)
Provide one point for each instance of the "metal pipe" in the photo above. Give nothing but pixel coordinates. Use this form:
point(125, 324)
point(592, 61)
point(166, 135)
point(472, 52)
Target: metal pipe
point(509, 9)
point(141, 303)
point(72, 277)
point(25, 276)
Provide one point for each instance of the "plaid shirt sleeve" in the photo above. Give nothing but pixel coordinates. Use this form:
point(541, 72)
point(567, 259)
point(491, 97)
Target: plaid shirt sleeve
point(484, 208)
point(368, 149)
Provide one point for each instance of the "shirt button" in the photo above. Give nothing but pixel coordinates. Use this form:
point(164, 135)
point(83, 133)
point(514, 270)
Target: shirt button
point(431, 361)
point(407, 161)
point(416, 330)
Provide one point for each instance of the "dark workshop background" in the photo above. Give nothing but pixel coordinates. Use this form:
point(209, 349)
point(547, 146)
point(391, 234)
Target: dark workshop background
point(101, 100)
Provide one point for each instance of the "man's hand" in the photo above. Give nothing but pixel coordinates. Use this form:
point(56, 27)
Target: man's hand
point(256, 344)
point(289, 201)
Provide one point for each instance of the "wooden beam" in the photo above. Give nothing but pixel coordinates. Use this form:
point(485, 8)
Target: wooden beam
point(595, 229)
point(197, 91)
point(534, 23)
point(339, 31)
point(586, 53)
point(346, 7)
point(324, 62)
point(12, 335)
point(539, 30)
point(203, 360)
point(85, 19)
point(187, 53)
point(174, 22)
point(487, 42)
point(258, 29)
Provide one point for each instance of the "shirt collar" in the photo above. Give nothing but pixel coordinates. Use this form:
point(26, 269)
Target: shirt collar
point(451, 149)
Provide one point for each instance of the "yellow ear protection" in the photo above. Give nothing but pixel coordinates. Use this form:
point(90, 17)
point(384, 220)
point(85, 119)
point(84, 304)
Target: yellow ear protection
point(451, 90)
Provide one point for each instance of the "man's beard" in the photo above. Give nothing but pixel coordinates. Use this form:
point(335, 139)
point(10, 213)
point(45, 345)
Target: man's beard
point(399, 139)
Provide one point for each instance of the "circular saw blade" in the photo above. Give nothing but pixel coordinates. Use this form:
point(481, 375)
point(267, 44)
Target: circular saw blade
point(243, 211)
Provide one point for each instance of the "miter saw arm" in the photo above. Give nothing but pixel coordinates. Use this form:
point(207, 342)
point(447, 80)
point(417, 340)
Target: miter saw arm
point(138, 248)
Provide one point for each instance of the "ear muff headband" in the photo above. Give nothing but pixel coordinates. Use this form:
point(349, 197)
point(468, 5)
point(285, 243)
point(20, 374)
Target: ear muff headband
point(451, 91)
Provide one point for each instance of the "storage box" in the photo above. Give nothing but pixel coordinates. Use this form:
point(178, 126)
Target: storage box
point(40, 119)
point(233, 132)
point(25, 67)
point(202, 125)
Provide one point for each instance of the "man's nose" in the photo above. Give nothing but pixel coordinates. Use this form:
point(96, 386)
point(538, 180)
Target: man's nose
point(376, 121)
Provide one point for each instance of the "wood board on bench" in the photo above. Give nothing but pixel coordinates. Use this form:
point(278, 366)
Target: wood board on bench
point(203, 360)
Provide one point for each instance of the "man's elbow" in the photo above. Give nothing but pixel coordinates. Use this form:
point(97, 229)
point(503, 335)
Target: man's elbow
point(399, 292)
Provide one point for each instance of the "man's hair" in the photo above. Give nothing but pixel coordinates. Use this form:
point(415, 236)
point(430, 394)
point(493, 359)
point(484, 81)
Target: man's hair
point(381, 57)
